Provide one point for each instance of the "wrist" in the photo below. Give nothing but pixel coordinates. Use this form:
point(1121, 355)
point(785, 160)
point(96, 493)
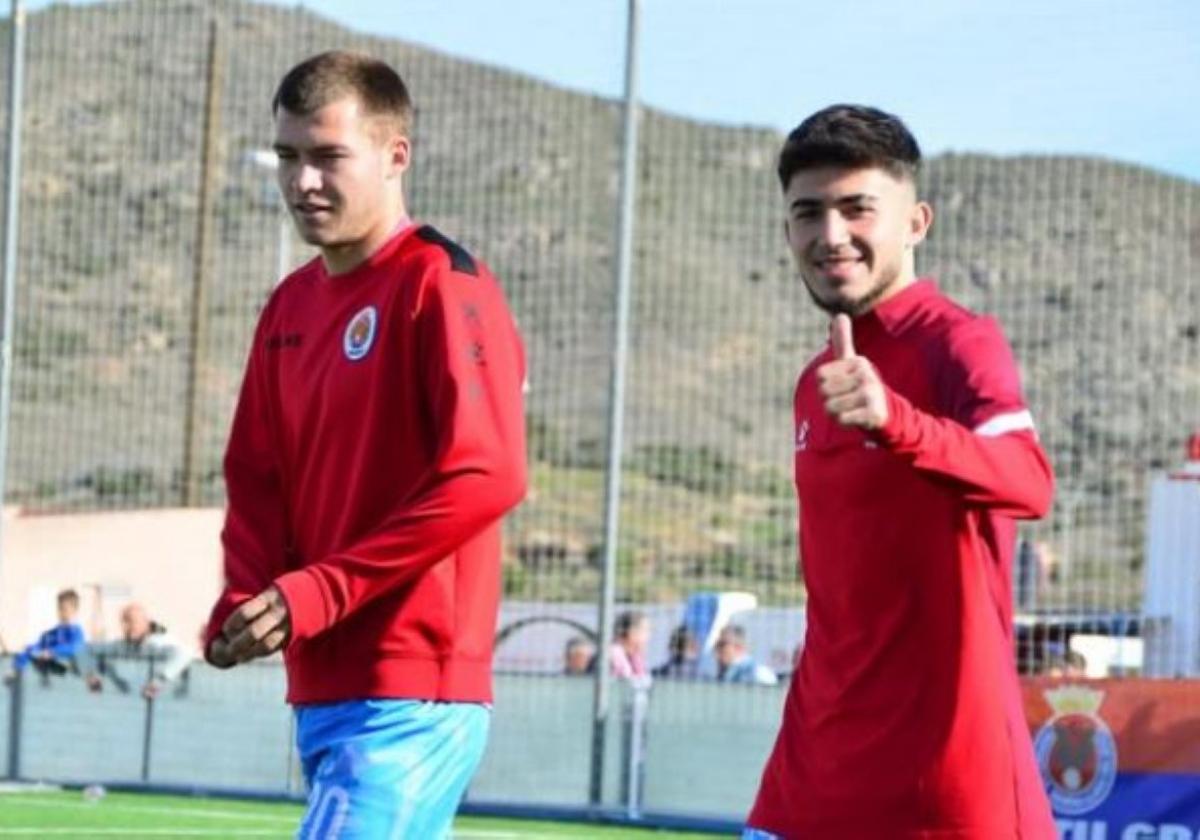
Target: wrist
point(891, 430)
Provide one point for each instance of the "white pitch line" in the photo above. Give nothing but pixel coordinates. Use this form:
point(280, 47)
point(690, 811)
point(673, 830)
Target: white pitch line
point(459, 834)
point(110, 807)
point(152, 811)
point(495, 834)
point(463, 833)
point(33, 831)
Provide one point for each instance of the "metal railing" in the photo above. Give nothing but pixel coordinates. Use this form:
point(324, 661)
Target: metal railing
point(167, 742)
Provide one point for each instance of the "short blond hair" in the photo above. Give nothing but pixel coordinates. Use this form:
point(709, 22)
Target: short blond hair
point(330, 76)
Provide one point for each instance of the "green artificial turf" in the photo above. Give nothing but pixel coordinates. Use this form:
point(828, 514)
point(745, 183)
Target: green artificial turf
point(69, 814)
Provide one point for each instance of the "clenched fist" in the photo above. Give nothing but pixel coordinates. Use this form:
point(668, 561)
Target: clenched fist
point(257, 628)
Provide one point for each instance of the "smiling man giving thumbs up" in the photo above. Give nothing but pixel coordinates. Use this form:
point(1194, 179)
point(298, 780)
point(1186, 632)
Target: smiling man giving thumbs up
point(915, 453)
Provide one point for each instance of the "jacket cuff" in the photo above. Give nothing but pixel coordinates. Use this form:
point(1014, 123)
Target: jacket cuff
point(891, 433)
point(306, 602)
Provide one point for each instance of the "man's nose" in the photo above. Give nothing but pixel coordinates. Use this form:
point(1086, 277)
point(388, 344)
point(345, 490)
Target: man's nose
point(306, 179)
point(834, 231)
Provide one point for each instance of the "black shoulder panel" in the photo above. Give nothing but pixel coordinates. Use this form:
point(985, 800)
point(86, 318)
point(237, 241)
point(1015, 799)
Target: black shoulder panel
point(460, 260)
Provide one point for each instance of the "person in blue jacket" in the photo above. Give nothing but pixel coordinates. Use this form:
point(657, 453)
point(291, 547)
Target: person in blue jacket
point(56, 650)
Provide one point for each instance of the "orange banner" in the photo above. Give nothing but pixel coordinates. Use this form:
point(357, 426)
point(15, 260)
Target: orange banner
point(1119, 758)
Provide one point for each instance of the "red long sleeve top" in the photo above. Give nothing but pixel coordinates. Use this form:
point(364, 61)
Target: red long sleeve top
point(378, 440)
point(904, 718)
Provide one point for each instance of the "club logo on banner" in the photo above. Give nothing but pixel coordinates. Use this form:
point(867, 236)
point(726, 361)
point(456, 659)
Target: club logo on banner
point(1076, 751)
point(360, 334)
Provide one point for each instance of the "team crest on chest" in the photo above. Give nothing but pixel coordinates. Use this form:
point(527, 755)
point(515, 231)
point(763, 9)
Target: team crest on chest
point(360, 334)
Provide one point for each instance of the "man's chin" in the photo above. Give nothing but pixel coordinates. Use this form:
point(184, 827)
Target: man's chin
point(317, 238)
point(841, 304)
point(844, 302)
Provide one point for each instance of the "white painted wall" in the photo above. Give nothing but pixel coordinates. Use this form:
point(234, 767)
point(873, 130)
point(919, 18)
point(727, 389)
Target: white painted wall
point(170, 560)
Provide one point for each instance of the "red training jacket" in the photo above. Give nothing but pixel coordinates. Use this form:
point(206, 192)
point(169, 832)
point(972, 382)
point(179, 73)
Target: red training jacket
point(378, 439)
point(904, 718)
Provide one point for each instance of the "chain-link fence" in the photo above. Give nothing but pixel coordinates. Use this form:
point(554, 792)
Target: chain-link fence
point(52, 727)
point(150, 235)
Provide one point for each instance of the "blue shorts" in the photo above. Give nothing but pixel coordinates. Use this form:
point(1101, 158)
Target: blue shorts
point(387, 768)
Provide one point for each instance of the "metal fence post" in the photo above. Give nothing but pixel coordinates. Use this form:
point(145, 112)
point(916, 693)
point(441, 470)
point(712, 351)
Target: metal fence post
point(635, 747)
point(15, 709)
point(148, 726)
point(198, 335)
point(12, 234)
point(291, 754)
point(612, 492)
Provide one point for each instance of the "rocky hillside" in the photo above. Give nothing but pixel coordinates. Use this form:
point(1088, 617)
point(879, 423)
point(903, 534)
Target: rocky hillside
point(1090, 264)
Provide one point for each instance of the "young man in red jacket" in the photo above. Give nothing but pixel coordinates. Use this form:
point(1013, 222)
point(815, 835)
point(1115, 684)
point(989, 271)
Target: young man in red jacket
point(914, 453)
point(378, 440)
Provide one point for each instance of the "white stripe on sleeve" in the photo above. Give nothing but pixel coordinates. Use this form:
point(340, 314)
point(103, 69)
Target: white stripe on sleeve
point(1002, 424)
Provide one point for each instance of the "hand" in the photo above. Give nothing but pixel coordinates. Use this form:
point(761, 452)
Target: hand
point(257, 628)
point(94, 683)
point(151, 689)
point(853, 392)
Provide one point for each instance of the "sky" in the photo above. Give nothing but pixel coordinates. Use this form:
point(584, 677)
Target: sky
point(1115, 78)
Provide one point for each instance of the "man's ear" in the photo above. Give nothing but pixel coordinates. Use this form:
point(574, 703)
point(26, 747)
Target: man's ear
point(399, 149)
point(919, 221)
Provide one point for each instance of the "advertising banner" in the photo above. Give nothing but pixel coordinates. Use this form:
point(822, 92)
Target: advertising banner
point(1120, 758)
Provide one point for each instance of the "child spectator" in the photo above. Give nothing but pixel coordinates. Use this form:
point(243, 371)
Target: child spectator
point(627, 654)
point(56, 649)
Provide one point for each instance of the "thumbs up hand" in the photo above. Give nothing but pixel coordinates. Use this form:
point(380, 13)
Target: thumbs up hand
point(841, 337)
point(853, 392)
